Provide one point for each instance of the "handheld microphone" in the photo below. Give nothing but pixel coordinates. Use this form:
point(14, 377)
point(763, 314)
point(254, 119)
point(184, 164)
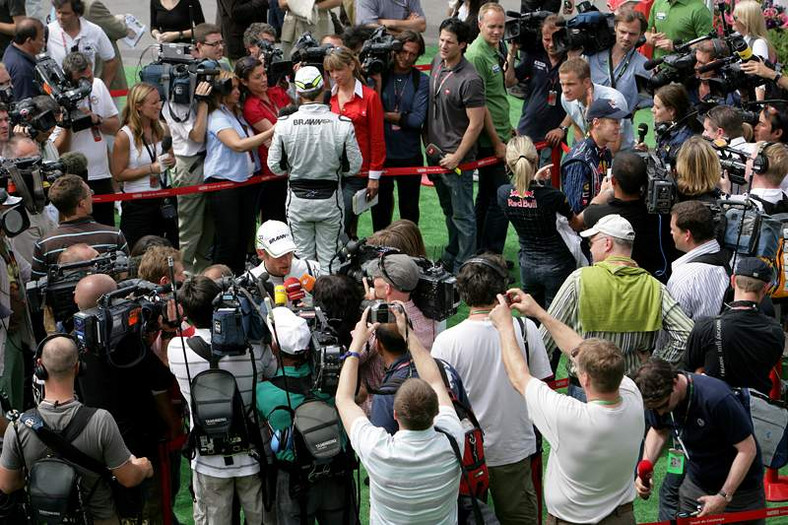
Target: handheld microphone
point(307, 282)
point(293, 289)
point(280, 295)
point(642, 131)
point(166, 143)
point(645, 472)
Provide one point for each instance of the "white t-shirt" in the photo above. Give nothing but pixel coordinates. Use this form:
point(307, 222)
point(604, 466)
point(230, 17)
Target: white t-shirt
point(182, 145)
point(139, 157)
point(414, 475)
point(91, 40)
point(96, 151)
point(593, 450)
point(239, 366)
point(473, 348)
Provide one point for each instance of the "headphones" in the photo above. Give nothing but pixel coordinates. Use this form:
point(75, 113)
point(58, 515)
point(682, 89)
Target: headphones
point(39, 371)
point(382, 267)
point(503, 274)
point(720, 48)
point(760, 163)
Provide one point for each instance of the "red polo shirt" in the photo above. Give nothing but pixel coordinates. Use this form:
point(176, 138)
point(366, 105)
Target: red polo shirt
point(366, 112)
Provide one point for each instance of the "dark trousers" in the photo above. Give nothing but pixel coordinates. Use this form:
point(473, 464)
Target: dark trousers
point(271, 200)
point(104, 212)
point(143, 217)
point(408, 188)
point(233, 214)
point(491, 223)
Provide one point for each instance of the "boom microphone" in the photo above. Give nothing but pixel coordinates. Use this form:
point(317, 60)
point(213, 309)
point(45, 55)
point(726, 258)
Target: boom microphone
point(642, 131)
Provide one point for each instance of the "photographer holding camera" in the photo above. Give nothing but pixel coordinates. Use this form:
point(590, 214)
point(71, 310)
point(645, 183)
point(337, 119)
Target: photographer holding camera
point(91, 141)
point(20, 57)
point(618, 66)
point(328, 494)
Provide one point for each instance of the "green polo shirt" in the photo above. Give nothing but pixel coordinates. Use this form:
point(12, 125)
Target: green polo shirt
point(684, 19)
point(486, 61)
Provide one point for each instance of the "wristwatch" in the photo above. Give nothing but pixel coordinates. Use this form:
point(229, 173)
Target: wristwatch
point(777, 76)
point(728, 497)
point(564, 129)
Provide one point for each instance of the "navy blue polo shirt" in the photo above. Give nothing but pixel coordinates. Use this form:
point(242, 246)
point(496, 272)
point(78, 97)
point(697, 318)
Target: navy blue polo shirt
point(716, 421)
point(538, 117)
point(22, 68)
point(382, 414)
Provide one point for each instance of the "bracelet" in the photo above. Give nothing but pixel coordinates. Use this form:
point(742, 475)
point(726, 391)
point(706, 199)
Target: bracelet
point(728, 497)
point(351, 354)
point(564, 129)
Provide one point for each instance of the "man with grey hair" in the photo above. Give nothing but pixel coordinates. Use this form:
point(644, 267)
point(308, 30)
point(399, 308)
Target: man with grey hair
point(617, 300)
point(255, 33)
point(100, 439)
point(92, 141)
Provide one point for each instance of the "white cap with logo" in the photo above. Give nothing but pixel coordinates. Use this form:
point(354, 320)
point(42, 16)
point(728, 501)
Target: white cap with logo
point(275, 238)
point(613, 226)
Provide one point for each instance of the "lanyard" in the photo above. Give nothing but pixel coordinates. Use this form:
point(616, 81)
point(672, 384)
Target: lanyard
point(622, 69)
point(151, 153)
point(676, 431)
point(74, 48)
point(440, 86)
point(246, 132)
point(398, 93)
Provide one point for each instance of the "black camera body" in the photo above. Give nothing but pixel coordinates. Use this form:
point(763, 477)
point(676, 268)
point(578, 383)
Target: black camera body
point(436, 294)
point(734, 162)
point(375, 54)
point(525, 29)
point(308, 52)
point(678, 67)
point(27, 113)
point(176, 74)
point(276, 67)
point(67, 93)
point(661, 189)
point(591, 30)
point(325, 352)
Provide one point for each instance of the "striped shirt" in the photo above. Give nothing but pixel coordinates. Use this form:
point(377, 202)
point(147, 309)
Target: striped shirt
point(82, 230)
point(698, 287)
point(637, 347)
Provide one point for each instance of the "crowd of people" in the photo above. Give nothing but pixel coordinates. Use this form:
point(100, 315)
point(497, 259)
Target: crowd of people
point(659, 320)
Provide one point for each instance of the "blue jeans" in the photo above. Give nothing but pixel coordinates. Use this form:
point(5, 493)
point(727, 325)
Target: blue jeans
point(491, 223)
point(542, 279)
point(455, 193)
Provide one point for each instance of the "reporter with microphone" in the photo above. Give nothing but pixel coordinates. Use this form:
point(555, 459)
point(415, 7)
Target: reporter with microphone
point(140, 161)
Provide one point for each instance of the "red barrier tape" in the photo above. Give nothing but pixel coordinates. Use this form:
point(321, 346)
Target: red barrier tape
point(728, 517)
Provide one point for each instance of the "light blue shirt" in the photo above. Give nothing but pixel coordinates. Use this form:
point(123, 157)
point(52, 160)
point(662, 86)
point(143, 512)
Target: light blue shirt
point(624, 74)
point(577, 110)
point(221, 162)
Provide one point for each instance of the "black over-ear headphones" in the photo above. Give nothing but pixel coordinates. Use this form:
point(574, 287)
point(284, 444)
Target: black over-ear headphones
point(503, 274)
point(40, 371)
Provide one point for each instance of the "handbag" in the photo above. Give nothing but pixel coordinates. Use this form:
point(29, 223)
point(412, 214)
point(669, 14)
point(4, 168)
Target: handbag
point(479, 513)
point(769, 416)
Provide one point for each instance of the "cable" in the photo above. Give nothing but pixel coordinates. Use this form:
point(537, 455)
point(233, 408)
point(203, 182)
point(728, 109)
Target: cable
point(664, 270)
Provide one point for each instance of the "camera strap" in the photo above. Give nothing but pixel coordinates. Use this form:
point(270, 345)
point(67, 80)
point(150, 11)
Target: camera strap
point(151, 154)
point(615, 78)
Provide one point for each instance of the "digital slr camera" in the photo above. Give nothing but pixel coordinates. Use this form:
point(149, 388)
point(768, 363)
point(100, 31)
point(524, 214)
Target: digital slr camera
point(375, 54)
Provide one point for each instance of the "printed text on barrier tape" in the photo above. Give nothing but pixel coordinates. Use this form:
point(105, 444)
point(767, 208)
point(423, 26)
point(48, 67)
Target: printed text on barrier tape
point(728, 517)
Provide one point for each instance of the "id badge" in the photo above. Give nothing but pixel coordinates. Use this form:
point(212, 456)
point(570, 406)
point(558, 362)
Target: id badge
point(552, 97)
point(676, 459)
point(395, 127)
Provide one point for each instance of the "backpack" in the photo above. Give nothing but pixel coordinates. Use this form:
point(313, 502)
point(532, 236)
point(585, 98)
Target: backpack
point(221, 426)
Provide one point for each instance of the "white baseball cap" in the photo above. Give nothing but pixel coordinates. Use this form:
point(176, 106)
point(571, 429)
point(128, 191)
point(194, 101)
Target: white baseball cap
point(308, 79)
point(275, 238)
point(10, 200)
point(612, 225)
point(292, 332)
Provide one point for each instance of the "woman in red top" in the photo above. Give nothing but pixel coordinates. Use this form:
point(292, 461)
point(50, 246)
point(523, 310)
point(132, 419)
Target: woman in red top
point(261, 107)
point(361, 104)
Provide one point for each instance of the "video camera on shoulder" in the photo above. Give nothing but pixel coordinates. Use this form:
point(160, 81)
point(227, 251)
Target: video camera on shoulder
point(591, 30)
point(661, 190)
point(325, 351)
point(308, 52)
point(276, 67)
point(68, 94)
point(734, 161)
point(237, 319)
point(27, 113)
point(28, 178)
point(525, 29)
point(375, 54)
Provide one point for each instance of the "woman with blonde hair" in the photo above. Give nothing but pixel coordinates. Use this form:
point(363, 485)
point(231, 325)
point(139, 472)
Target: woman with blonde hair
point(698, 171)
point(352, 98)
point(140, 163)
point(231, 145)
point(531, 207)
point(749, 22)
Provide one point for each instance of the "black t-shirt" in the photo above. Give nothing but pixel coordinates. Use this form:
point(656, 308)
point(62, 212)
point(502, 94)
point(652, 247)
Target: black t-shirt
point(127, 394)
point(533, 217)
point(752, 344)
point(651, 234)
point(179, 18)
point(538, 116)
point(716, 421)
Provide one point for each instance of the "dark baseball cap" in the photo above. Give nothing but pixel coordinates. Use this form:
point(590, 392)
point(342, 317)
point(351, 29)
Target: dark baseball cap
point(605, 108)
point(755, 268)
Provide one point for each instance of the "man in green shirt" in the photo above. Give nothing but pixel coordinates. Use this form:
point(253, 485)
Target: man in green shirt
point(670, 20)
point(489, 56)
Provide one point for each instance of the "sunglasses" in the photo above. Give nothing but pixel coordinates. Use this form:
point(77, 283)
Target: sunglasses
point(214, 44)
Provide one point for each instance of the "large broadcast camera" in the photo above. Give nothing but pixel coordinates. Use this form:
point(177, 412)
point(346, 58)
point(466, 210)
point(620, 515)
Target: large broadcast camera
point(27, 113)
point(30, 178)
point(176, 73)
point(308, 52)
point(375, 54)
point(276, 67)
point(661, 189)
point(591, 30)
point(734, 162)
point(126, 314)
point(56, 290)
point(436, 293)
point(53, 82)
point(325, 352)
point(729, 75)
point(525, 29)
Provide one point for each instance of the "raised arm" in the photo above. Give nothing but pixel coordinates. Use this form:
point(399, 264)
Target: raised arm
point(345, 397)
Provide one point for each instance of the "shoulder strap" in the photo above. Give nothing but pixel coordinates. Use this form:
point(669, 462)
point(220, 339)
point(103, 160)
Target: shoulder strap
point(200, 347)
point(718, 345)
point(77, 423)
point(294, 385)
point(524, 331)
point(64, 449)
point(715, 259)
point(477, 512)
point(415, 76)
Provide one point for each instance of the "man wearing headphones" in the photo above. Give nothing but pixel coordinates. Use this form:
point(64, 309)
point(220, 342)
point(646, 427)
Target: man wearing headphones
point(57, 364)
point(473, 348)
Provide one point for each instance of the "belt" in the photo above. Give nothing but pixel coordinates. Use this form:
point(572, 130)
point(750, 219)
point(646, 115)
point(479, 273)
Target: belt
point(311, 184)
point(618, 511)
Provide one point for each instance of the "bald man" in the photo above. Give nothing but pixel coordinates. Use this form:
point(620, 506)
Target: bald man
point(100, 439)
point(77, 253)
point(91, 288)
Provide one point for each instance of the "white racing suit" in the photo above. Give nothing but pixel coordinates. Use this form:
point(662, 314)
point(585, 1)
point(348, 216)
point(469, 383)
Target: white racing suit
point(316, 147)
